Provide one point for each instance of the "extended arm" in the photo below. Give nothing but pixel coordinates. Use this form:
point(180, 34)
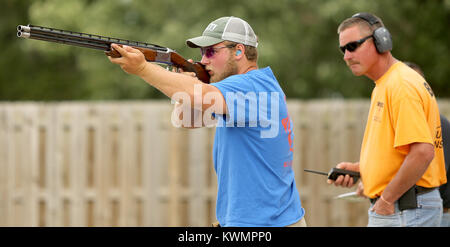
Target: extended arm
point(169, 83)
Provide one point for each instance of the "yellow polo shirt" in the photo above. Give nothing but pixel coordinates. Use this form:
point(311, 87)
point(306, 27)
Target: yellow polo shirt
point(403, 111)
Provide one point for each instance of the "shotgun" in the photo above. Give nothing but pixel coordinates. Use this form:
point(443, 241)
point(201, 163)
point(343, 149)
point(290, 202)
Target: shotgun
point(153, 53)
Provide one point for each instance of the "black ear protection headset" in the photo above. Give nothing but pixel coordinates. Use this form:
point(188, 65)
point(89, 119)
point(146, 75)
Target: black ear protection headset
point(381, 36)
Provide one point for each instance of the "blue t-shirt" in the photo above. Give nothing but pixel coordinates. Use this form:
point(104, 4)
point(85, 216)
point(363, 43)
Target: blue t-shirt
point(253, 152)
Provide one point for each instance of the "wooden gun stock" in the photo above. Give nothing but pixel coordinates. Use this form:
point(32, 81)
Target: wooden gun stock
point(152, 52)
point(197, 68)
point(175, 59)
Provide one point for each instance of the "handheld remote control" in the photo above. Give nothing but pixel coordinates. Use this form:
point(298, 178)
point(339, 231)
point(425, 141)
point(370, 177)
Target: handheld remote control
point(336, 172)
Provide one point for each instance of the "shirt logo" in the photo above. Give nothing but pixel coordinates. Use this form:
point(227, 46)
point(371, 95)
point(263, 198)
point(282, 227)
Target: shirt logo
point(378, 112)
point(428, 88)
point(438, 142)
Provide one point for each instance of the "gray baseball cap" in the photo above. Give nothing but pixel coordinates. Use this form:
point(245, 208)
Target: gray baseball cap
point(228, 28)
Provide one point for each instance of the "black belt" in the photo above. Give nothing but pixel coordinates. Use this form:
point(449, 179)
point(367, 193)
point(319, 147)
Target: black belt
point(422, 190)
point(419, 191)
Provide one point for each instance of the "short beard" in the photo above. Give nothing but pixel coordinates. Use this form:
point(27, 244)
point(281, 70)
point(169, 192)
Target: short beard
point(231, 68)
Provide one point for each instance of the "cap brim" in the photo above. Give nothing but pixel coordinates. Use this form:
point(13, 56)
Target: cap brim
point(202, 41)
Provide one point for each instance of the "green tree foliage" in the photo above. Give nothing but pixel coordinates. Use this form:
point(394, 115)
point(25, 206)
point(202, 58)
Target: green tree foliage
point(297, 38)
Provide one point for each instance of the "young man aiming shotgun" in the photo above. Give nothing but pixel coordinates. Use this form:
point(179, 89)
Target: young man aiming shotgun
point(253, 145)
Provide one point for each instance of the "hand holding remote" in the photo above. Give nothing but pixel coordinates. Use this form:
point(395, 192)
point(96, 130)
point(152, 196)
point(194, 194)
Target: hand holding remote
point(344, 179)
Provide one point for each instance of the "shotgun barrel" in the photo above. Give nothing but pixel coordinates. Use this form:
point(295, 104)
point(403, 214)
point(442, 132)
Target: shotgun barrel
point(152, 52)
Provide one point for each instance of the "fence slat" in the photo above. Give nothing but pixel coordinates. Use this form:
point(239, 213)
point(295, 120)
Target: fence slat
point(197, 177)
point(4, 152)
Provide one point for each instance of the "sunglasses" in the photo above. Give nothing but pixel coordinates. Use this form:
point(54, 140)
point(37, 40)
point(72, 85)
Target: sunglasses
point(352, 46)
point(210, 51)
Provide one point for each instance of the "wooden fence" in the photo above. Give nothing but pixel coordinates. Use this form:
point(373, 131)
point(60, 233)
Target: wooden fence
point(123, 164)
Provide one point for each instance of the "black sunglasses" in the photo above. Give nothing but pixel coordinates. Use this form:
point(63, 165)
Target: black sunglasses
point(352, 46)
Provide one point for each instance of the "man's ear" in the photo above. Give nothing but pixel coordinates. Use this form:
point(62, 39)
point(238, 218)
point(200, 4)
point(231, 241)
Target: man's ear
point(239, 49)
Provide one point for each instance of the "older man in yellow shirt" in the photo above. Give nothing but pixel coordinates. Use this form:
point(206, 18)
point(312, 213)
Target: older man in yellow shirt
point(401, 162)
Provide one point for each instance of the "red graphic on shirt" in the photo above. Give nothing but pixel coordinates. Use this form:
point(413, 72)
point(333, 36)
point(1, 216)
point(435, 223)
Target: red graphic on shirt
point(287, 163)
point(288, 129)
